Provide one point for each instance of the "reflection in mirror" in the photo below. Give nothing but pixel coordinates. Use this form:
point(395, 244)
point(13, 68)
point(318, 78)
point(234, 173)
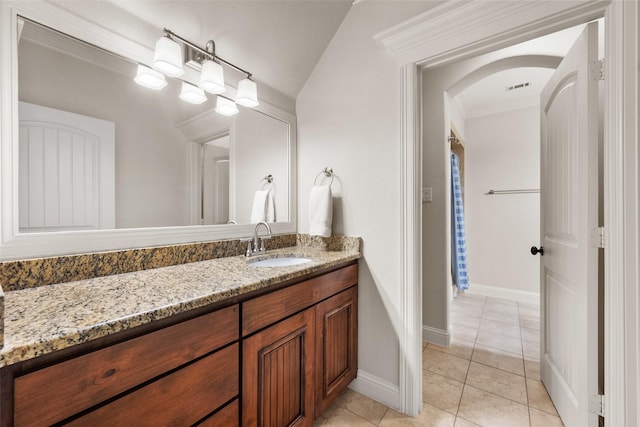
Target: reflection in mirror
point(98, 151)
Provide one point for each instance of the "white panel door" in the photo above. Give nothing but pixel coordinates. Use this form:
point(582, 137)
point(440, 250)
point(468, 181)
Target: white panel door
point(569, 208)
point(66, 171)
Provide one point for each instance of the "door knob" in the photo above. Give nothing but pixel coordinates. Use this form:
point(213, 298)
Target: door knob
point(536, 251)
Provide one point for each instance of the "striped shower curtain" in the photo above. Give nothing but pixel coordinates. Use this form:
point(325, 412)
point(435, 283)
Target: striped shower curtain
point(458, 238)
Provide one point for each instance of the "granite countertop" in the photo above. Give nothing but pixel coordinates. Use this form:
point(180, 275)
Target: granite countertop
point(48, 318)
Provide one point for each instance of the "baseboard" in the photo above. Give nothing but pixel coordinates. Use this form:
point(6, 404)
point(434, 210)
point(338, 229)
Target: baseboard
point(377, 389)
point(510, 294)
point(436, 336)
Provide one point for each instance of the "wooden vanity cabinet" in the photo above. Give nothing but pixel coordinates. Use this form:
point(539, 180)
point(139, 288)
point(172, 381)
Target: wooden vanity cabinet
point(272, 359)
point(293, 368)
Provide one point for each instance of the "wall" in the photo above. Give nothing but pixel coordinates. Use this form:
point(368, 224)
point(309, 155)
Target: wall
point(503, 152)
point(349, 119)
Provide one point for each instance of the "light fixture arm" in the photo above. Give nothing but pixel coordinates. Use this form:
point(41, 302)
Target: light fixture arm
point(205, 52)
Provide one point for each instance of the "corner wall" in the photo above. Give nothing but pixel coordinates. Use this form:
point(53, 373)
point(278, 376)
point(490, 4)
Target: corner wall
point(349, 119)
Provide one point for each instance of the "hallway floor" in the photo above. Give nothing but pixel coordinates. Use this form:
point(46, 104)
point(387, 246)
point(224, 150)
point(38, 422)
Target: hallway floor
point(489, 376)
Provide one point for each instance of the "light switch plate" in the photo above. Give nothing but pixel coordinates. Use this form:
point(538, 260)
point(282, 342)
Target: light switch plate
point(427, 194)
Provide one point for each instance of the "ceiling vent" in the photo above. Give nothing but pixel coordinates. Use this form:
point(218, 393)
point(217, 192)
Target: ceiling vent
point(518, 86)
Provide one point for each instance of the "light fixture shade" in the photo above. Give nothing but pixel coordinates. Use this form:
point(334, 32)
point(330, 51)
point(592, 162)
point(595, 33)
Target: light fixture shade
point(150, 78)
point(167, 57)
point(192, 94)
point(226, 107)
point(247, 93)
point(212, 77)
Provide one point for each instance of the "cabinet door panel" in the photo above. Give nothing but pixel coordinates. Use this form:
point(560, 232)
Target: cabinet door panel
point(277, 385)
point(179, 399)
point(337, 345)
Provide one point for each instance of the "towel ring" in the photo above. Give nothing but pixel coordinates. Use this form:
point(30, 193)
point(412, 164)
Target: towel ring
point(268, 179)
point(327, 172)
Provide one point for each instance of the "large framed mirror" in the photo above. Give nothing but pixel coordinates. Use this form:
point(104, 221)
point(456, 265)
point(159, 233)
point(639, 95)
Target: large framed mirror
point(92, 161)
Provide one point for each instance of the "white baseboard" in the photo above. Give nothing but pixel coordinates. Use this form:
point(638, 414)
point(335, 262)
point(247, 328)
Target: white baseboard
point(436, 336)
point(377, 389)
point(504, 293)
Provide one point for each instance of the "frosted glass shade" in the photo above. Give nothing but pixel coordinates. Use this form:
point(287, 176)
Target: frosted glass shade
point(192, 94)
point(247, 93)
point(226, 107)
point(150, 78)
point(167, 57)
point(212, 77)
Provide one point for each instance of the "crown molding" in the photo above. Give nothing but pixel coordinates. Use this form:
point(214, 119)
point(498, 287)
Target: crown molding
point(457, 29)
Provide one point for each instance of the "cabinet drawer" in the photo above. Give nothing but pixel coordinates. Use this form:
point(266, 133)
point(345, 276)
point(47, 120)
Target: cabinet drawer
point(229, 416)
point(179, 399)
point(54, 393)
point(267, 309)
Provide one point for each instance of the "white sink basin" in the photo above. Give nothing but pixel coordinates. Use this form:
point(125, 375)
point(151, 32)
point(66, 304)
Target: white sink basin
point(285, 261)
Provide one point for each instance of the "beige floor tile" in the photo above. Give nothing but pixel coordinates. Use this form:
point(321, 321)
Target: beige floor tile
point(466, 319)
point(510, 310)
point(532, 335)
point(429, 417)
point(441, 363)
point(471, 310)
point(532, 369)
point(340, 417)
point(501, 301)
point(530, 350)
point(539, 398)
point(489, 410)
point(362, 406)
point(441, 392)
point(458, 348)
point(424, 344)
point(529, 311)
point(466, 333)
point(497, 358)
point(467, 296)
point(498, 382)
point(495, 327)
point(528, 305)
point(529, 322)
point(502, 342)
point(542, 419)
point(511, 318)
point(461, 422)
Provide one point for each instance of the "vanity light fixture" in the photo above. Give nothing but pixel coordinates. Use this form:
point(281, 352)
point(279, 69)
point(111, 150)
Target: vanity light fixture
point(192, 94)
point(168, 58)
point(247, 93)
point(226, 107)
point(150, 78)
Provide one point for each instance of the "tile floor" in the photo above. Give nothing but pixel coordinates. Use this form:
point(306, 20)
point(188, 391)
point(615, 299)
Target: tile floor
point(489, 376)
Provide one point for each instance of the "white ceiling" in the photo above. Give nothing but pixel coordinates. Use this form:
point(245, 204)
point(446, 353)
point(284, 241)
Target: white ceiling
point(278, 41)
point(489, 95)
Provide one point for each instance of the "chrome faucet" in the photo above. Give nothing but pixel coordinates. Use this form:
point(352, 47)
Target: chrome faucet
point(258, 242)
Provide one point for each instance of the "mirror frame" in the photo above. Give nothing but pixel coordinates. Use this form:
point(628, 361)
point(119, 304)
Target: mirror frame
point(15, 245)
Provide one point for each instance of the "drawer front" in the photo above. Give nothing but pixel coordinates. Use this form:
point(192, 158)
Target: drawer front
point(179, 399)
point(229, 416)
point(267, 309)
point(54, 393)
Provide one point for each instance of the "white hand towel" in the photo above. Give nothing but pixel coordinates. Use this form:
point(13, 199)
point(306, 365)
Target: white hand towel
point(320, 211)
point(270, 213)
point(259, 208)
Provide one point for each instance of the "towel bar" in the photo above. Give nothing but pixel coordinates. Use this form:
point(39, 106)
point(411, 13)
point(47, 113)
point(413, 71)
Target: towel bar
point(524, 191)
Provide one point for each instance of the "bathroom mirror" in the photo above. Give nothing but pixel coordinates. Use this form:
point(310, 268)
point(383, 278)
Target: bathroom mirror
point(103, 163)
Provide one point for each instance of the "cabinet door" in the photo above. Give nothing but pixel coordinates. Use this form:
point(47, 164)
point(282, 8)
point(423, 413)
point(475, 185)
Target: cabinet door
point(277, 380)
point(336, 346)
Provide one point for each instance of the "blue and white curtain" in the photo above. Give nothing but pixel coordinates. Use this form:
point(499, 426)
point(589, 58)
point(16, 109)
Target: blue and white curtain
point(458, 238)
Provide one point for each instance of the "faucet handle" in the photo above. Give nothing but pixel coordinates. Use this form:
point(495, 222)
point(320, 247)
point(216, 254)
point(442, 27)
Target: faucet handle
point(262, 239)
point(248, 252)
